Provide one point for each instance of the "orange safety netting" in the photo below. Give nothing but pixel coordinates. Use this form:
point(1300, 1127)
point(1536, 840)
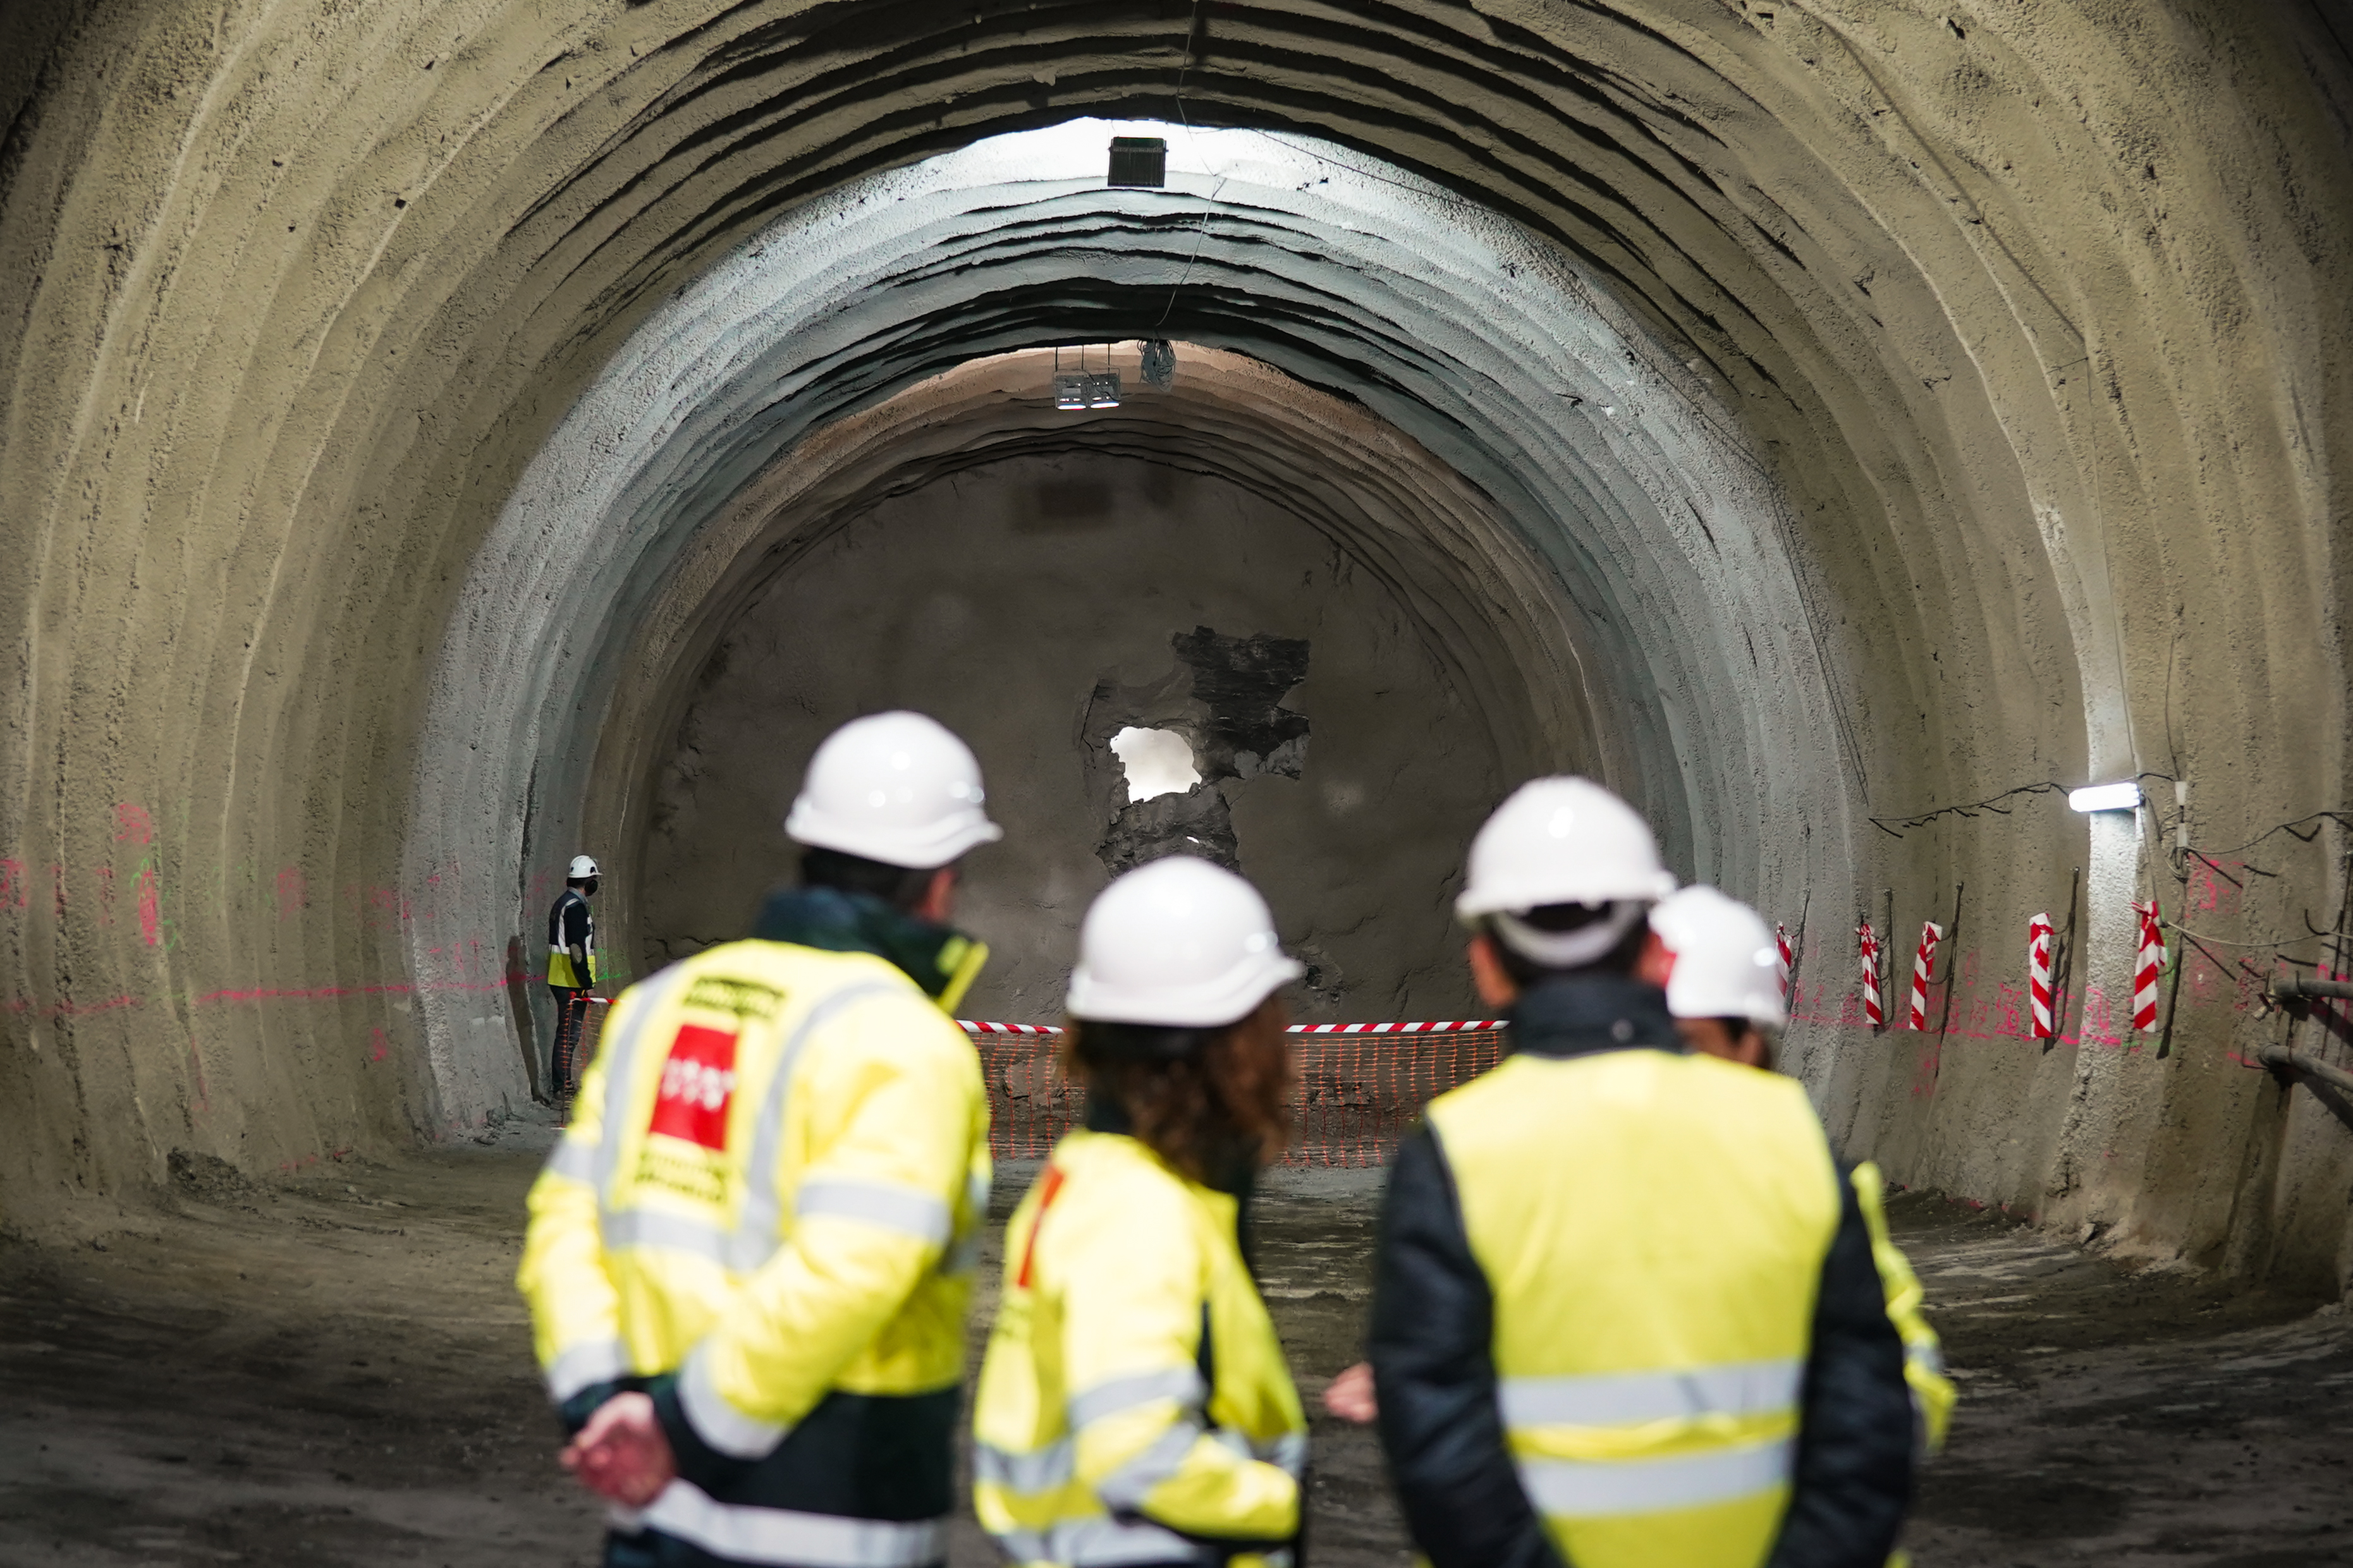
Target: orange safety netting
point(1362, 1086)
point(1360, 1091)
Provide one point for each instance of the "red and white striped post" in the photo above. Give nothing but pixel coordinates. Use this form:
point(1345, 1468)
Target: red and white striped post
point(2145, 973)
point(1867, 940)
point(2038, 974)
point(1781, 940)
point(1931, 933)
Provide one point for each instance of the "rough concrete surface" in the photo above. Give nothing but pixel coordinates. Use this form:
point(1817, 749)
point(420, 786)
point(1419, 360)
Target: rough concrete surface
point(1036, 604)
point(334, 1369)
point(1866, 409)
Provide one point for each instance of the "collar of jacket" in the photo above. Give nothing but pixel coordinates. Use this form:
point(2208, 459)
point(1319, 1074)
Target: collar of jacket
point(1567, 1016)
point(940, 959)
point(1231, 1172)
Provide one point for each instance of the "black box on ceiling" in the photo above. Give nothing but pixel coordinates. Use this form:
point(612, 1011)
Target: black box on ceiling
point(1138, 160)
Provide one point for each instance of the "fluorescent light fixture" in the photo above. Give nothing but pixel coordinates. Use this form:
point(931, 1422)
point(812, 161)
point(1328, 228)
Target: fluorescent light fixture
point(2105, 797)
point(1085, 389)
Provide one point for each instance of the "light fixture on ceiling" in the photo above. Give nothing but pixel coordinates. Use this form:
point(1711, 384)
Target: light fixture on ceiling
point(2105, 797)
point(1080, 389)
point(1138, 161)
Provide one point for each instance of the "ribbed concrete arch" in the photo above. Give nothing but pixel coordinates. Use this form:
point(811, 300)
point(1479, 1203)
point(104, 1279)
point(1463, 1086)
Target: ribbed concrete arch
point(1657, 526)
point(2032, 313)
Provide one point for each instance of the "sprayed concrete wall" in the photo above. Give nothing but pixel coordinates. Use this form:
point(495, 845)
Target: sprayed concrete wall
point(1030, 603)
point(1988, 384)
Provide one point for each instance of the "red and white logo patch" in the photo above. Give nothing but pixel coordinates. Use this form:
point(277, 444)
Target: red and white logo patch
point(697, 1082)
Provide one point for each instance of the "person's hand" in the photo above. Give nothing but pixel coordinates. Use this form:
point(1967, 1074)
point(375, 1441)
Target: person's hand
point(621, 1454)
point(1350, 1395)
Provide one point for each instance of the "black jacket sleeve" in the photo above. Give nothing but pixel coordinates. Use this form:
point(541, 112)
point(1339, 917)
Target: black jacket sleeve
point(574, 1412)
point(698, 1462)
point(1854, 1479)
point(575, 939)
point(1433, 1373)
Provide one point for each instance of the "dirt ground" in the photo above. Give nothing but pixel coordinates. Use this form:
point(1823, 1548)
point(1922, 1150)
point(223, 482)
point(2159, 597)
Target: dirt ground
point(334, 1369)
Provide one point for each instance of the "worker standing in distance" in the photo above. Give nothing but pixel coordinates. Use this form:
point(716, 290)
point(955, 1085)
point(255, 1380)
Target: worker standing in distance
point(571, 974)
point(750, 1258)
point(1626, 1312)
point(1135, 1408)
point(1729, 997)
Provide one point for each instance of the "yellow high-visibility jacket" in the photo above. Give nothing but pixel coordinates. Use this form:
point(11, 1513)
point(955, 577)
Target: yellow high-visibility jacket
point(1933, 1393)
point(1628, 1312)
point(766, 1210)
point(560, 971)
point(1134, 1402)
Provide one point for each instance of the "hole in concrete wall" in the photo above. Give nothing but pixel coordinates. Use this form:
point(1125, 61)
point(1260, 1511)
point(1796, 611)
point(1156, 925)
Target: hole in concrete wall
point(1158, 761)
point(1243, 682)
point(1227, 692)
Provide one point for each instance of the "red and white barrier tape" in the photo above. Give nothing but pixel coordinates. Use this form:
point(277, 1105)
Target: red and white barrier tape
point(1923, 963)
point(1781, 940)
point(1867, 946)
point(1468, 1026)
point(2037, 973)
point(2145, 973)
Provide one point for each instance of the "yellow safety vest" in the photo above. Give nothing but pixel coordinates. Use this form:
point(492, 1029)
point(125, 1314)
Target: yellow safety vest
point(1933, 1393)
point(560, 971)
point(1652, 1226)
point(774, 1183)
point(1135, 1398)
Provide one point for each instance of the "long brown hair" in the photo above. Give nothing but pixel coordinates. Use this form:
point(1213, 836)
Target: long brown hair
point(1199, 1098)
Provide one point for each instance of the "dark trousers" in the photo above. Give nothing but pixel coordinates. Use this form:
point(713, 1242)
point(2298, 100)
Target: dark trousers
point(571, 1016)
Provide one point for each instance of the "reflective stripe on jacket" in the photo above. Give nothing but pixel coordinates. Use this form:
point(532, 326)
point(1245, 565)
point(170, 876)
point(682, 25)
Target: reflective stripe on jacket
point(1134, 1407)
point(772, 1188)
point(1933, 1393)
point(1627, 1313)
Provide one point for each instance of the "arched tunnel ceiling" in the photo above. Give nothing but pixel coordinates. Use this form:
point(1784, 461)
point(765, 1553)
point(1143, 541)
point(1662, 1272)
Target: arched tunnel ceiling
point(1658, 531)
point(1024, 572)
point(2030, 312)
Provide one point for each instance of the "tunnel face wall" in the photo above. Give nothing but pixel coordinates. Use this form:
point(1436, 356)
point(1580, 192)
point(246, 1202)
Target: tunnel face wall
point(2030, 315)
point(1646, 524)
point(1030, 602)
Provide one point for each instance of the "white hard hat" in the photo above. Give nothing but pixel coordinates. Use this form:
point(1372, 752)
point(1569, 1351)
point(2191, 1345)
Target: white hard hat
point(583, 868)
point(1562, 840)
point(895, 787)
point(1179, 942)
point(1728, 965)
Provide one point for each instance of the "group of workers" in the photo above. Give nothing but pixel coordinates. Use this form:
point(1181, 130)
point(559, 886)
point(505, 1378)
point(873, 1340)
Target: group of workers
point(1629, 1311)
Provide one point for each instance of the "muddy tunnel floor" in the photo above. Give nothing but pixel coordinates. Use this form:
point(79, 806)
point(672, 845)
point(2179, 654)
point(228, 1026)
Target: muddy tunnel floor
point(333, 1368)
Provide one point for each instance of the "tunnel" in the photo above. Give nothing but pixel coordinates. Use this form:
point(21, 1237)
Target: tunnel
point(443, 437)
